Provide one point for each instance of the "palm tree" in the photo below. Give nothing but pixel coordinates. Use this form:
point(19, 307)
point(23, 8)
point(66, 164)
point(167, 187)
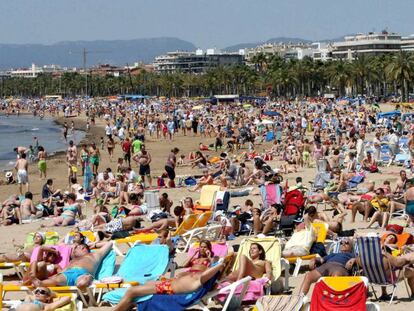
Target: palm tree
point(339, 73)
point(401, 69)
point(360, 70)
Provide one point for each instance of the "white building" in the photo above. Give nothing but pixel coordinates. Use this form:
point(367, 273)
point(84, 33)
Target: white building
point(34, 71)
point(195, 62)
point(369, 44)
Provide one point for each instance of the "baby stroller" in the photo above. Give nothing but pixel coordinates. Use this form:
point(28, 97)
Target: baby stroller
point(269, 173)
point(293, 207)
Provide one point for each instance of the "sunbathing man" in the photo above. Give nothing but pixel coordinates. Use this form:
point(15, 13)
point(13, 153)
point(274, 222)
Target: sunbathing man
point(81, 269)
point(187, 283)
point(332, 265)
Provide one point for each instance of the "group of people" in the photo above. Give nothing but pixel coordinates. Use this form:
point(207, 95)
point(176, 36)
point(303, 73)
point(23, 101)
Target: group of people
point(243, 151)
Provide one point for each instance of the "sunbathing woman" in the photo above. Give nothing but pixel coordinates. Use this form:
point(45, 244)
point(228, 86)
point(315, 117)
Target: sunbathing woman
point(44, 266)
point(163, 224)
point(187, 283)
point(24, 252)
point(255, 266)
point(70, 210)
point(43, 300)
point(201, 259)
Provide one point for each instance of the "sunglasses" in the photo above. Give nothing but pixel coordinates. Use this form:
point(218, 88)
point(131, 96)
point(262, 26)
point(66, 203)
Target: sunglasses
point(41, 292)
point(345, 243)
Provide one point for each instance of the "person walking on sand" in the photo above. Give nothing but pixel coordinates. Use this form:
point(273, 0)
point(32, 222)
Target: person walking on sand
point(21, 167)
point(42, 162)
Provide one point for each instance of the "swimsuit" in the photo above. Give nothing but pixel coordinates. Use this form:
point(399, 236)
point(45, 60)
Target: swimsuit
point(42, 166)
point(22, 177)
point(164, 287)
point(73, 274)
point(114, 225)
point(95, 160)
point(409, 208)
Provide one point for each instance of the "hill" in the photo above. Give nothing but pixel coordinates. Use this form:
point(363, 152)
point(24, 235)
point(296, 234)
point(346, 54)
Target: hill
point(69, 53)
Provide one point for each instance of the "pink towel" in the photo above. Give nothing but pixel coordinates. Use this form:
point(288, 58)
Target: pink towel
point(219, 250)
point(64, 252)
point(255, 290)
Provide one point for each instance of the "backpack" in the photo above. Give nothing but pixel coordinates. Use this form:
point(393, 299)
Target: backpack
point(160, 182)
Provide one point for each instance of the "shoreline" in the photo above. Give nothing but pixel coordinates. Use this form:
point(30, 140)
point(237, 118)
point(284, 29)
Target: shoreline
point(56, 161)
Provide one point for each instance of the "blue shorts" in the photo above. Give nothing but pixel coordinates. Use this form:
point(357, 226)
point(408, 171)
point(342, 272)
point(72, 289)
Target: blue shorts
point(72, 275)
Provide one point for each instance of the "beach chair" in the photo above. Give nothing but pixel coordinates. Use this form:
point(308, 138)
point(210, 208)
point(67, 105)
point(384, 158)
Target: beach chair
point(141, 264)
point(20, 267)
point(180, 302)
point(130, 241)
point(321, 229)
point(340, 293)
point(206, 201)
point(256, 288)
point(89, 235)
point(198, 230)
point(271, 194)
point(371, 260)
point(279, 303)
point(75, 305)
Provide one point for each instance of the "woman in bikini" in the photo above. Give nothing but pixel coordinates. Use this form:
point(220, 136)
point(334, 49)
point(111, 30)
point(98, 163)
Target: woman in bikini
point(187, 283)
point(43, 299)
point(201, 259)
point(255, 266)
point(67, 218)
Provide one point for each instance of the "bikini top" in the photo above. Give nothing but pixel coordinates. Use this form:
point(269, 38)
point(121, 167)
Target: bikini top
point(195, 262)
point(72, 208)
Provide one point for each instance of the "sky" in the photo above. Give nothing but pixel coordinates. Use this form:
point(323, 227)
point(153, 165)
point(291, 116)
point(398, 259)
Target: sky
point(206, 23)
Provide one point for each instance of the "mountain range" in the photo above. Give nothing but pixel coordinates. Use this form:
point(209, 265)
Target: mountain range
point(70, 53)
point(116, 52)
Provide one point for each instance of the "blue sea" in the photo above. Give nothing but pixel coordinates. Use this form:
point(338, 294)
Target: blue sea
point(20, 131)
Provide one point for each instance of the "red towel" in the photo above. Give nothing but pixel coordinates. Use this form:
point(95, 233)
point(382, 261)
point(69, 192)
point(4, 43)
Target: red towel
point(325, 298)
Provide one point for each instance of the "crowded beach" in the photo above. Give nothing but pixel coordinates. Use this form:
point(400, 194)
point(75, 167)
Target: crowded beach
point(173, 204)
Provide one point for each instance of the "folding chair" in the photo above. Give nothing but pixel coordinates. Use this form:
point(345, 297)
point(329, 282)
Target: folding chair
point(371, 259)
point(342, 293)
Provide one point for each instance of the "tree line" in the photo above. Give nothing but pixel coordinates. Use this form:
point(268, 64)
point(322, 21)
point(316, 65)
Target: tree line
point(380, 76)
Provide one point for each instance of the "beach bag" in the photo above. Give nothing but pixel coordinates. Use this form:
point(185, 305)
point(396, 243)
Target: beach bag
point(190, 181)
point(159, 216)
point(268, 157)
point(373, 168)
point(118, 212)
point(160, 182)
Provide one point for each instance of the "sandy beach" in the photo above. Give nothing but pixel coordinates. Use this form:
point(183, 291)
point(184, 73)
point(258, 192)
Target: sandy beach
point(159, 150)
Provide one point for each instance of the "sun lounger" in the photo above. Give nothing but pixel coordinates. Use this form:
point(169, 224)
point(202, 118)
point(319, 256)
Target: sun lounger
point(141, 264)
point(256, 287)
point(206, 201)
point(321, 232)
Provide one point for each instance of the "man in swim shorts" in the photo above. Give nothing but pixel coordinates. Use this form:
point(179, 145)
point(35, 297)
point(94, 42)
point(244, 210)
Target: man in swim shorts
point(81, 269)
point(22, 173)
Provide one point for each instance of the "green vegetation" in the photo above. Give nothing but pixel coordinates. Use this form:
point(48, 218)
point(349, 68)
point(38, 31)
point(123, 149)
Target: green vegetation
point(373, 76)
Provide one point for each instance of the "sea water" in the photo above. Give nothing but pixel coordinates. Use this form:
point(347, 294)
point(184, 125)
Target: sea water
point(21, 130)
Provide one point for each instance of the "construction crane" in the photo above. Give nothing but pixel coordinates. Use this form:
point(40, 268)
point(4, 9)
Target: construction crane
point(85, 54)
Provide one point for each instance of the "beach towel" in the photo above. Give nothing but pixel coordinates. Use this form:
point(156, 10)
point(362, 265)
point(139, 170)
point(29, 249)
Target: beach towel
point(107, 266)
point(62, 260)
point(271, 194)
point(142, 263)
point(177, 302)
point(324, 298)
point(254, 292)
